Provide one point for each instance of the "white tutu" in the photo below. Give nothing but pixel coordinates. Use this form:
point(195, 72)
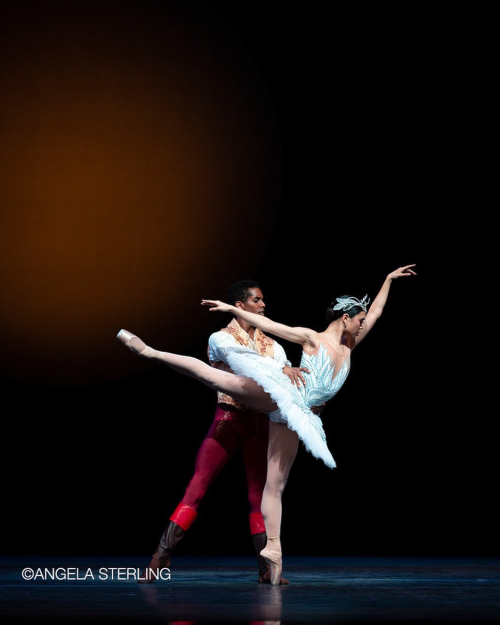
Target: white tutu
point(293, 403)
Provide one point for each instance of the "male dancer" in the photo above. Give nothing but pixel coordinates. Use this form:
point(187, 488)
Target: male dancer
point(234, 425)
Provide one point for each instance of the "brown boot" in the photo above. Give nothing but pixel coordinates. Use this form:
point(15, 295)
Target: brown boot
point(161, 558)
point(180, 521)
point(259, 542)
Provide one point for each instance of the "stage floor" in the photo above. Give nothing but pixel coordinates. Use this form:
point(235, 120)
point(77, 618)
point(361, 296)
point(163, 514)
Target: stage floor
point(225, 590)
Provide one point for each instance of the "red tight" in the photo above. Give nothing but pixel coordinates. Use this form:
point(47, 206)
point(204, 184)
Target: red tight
point(230, 429)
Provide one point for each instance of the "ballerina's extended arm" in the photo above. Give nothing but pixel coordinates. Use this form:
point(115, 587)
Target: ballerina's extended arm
point(293, 334)
point(377, 306)
point(305, 335)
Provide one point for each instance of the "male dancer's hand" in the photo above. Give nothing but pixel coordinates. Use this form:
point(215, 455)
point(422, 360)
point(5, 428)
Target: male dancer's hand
point(295, 375)
point(317, 410)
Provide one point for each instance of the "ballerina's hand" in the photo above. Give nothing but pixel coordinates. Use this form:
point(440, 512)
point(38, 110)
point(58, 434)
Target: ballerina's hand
point(402, 271)
point(216, 305)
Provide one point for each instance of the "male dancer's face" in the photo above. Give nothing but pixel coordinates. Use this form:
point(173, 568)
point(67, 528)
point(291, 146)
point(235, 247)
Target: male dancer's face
point(254, 302)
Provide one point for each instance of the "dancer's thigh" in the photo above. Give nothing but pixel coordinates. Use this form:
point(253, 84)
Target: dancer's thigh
point(244, 390)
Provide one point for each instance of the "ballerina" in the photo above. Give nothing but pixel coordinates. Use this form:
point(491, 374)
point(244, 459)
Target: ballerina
point(259, 383)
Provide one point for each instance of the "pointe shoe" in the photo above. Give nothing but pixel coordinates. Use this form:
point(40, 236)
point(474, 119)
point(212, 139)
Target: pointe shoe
point(139, 347)
point(259, 542)
point(273, 558)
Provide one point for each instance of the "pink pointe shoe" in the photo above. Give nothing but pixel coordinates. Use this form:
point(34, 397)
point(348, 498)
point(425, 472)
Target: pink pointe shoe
point(138, 347)
point(273, 558)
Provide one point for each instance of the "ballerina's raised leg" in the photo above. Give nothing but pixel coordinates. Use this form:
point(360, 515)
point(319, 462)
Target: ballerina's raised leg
point(283, 442)
point(242, 389)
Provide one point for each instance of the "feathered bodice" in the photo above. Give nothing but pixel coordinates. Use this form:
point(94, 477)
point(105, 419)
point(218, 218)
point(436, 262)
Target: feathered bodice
point(294, 404)
point(322, 381)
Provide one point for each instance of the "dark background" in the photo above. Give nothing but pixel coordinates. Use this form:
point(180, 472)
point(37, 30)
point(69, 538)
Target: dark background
point(374, 109)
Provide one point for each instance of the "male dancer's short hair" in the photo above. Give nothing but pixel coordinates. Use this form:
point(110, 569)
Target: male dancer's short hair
point(240, 291)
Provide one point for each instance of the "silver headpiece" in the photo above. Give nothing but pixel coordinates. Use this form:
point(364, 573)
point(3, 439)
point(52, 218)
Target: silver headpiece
point(344, 303)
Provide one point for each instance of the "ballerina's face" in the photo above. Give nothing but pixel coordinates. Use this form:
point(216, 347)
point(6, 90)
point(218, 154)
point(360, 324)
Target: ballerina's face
point(355, 324)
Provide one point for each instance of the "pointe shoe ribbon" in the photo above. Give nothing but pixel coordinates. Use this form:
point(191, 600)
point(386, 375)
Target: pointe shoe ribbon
point(271, 555)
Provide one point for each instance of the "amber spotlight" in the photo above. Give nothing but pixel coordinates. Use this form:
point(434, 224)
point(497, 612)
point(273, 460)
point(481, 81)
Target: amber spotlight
point(141, 171)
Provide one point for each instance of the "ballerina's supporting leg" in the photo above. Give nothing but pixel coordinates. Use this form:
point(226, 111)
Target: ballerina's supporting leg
point(239, 387)
point(282, 450)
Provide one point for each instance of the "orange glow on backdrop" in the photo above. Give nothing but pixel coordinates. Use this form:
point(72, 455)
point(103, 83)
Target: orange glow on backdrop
point(141, 171)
